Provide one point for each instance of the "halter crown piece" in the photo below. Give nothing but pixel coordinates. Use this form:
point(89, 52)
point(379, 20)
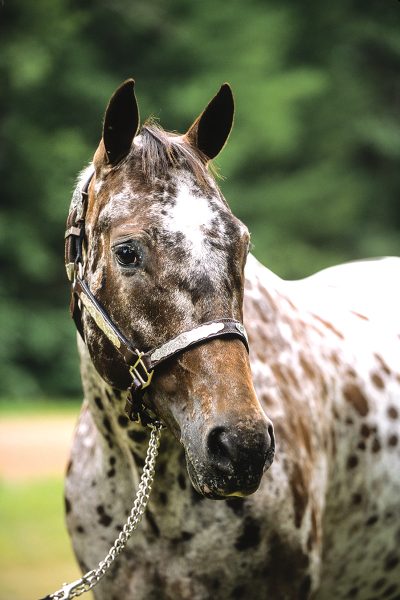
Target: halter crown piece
point(141, 365)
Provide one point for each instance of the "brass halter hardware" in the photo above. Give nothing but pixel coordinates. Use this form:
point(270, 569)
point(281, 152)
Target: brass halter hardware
point(141, 365)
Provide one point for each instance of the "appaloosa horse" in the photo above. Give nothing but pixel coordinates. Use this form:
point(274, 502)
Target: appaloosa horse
point(162, 254)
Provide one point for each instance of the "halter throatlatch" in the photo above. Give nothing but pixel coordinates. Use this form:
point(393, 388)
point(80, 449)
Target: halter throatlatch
point(141, 365)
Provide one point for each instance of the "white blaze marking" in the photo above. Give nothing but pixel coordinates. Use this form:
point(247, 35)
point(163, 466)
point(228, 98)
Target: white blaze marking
point(189, 216)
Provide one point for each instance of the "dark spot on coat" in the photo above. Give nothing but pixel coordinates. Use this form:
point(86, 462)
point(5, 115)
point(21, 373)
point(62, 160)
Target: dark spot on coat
point(391, 561)
point(365, 430)
point(67, 504)
point(110, 398)
point(215, 584)
point(329, 326)
point(103, 279)
point(80, 529)
point(300, 494)
point(356, 499)
point(310, 541)
point(123, 421)
point(361, 445)
point(377, 381)
point(200, 287)
point(391, 589)
point(372, 520)
point(353, 592)
point(238, 593)
point(138, 459)
point(356, 398)
point(182, 481)
point(107, 424)
point(112, 460)
point(137, 435)
point(376, 445)
point(99, 403)
point(117, 393)
point(359, 315)
point(69, 466)
point(250, 536)
point(111, 473)
point(307, 367)
point(352, 461)
point(393, 440)
point(151, 521)
point(163, 498)
point(383, 365)
point(109, 441)
point(393, 413)
point(379, 583)
point(284, 559)
point(236, 505)
point(196, 497)
point(161, 468)
point(104, 518)
point(305, 588)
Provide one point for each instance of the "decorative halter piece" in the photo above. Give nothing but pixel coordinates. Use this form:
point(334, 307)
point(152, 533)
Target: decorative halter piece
point(141, 365)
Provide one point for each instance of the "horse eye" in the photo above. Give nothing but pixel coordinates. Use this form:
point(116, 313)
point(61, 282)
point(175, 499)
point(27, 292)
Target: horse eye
point(128, 255)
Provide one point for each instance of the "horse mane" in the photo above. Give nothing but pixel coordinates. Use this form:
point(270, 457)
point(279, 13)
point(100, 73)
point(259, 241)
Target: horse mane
point(160, 151)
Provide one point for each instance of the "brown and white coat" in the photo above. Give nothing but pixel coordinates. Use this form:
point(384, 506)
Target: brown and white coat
point(325, 366)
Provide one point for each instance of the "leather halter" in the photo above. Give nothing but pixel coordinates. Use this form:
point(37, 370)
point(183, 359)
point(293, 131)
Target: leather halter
point(141, 364)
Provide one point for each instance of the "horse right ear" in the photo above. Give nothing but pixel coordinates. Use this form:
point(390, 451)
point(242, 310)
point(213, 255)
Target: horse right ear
point(211, 129)
point(121, 122)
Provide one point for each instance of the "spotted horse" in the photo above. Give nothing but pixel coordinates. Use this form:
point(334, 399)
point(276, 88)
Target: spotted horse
point(160, 252)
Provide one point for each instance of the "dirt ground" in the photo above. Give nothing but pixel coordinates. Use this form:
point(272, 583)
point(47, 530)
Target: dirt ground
point(34, 446)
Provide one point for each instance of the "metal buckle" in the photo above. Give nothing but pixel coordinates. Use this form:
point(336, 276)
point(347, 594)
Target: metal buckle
point(70, 268)
point(146, 376)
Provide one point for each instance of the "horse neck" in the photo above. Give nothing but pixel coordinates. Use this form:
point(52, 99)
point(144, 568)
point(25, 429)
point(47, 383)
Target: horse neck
point(115, 432)
point(291, 354)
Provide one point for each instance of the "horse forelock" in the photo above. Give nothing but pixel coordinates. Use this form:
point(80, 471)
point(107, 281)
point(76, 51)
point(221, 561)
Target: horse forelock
point(160, 151)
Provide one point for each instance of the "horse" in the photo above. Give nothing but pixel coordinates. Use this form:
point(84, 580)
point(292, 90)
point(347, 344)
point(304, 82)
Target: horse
point(279, 468)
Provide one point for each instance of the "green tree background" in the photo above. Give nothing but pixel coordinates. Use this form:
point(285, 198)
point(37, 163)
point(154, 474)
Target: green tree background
point(312, 166)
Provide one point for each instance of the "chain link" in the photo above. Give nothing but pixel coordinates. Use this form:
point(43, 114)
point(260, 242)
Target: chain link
point(91, 578)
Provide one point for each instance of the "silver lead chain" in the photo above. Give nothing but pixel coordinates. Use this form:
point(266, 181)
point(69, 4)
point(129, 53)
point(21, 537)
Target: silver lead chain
point(91, 578)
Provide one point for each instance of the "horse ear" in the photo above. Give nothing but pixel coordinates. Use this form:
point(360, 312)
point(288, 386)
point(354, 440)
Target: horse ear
point(211, 129)
point(121, 122)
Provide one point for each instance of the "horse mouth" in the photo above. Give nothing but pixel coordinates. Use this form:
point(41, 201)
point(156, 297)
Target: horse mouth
point(213, 487)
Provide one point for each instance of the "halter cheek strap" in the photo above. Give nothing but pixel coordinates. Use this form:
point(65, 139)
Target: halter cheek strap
point(141, 364)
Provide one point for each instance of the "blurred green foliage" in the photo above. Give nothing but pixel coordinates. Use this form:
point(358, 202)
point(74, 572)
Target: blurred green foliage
point(312, 165)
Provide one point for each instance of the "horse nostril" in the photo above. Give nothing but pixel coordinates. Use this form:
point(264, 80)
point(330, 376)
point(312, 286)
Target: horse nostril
point(271, 437)
point(220, 445)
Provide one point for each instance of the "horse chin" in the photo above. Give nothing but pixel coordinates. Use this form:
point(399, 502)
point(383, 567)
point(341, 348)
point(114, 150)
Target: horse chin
point(212, 491)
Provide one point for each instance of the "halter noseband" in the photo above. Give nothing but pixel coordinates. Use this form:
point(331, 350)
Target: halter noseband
point(141, 364)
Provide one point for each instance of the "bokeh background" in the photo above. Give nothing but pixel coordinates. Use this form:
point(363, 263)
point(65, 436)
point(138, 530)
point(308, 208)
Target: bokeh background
point(312, 167)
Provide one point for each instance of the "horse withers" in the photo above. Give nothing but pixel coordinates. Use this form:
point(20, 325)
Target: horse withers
point(161, 260)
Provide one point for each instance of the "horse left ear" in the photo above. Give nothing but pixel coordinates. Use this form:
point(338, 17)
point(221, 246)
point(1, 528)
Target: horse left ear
point(121, 122)
point(211, 129)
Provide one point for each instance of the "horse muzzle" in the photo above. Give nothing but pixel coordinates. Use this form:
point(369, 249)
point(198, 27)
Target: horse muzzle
point(234, 459)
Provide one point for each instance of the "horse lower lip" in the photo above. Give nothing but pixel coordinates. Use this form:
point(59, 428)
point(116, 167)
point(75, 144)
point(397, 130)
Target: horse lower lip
point(222, 495)
point(222, 487)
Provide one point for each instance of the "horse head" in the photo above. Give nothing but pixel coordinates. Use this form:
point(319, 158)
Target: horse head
point(164, 254)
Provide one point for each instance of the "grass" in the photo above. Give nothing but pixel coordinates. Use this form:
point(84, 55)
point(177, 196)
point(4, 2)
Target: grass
point(41, 406)
point(36, 555)
point(35, 551)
